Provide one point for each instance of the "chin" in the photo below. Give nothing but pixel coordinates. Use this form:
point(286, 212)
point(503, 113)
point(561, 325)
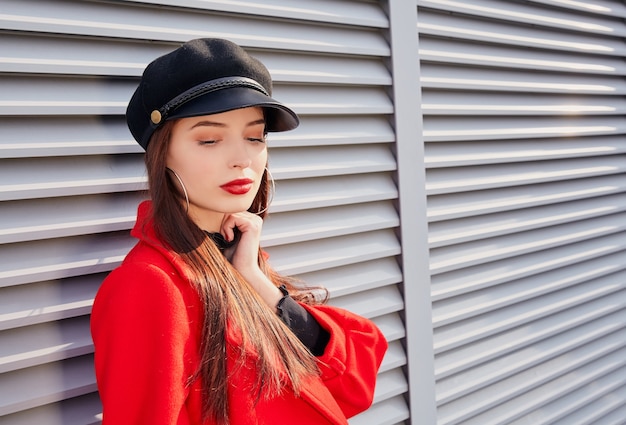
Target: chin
point(238, 209)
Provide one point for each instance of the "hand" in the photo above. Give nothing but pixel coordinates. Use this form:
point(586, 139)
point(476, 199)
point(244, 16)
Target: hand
point(245, 255)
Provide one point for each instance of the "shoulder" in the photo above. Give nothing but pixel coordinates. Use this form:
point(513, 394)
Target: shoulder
point(146, 283)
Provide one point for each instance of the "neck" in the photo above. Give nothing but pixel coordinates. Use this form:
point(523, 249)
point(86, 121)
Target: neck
point(209, 221)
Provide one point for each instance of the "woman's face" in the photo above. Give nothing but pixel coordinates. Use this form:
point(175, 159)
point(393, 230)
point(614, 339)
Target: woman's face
point(221, 159)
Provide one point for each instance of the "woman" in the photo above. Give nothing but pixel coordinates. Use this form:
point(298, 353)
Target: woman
point(195, 327)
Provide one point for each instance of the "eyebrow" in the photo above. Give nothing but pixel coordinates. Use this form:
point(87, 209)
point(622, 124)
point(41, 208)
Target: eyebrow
point(206, 123)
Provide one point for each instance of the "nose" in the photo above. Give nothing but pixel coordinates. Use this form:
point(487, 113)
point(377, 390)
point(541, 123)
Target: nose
point(240, 157)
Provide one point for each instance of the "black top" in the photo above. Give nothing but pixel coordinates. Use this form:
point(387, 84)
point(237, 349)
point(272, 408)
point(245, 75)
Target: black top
point(300, 321)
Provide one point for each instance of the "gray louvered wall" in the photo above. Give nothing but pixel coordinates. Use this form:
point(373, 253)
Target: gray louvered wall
point(71, 176)
point(524, 127)
point(522, 150)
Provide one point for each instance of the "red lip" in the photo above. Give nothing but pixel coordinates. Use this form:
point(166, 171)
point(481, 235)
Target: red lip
point(238, 186)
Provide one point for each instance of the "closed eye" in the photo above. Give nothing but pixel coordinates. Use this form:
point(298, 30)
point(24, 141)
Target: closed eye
point(260, 139)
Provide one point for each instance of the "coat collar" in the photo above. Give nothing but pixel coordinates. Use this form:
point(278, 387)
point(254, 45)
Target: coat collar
point(144, 231)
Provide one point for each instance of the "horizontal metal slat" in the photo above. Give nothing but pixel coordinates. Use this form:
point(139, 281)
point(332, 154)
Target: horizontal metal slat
point(306, 225)
point(306, 162)
point(602, 296)
point(605, 252)
point(487, 375)
point(22, 221)
point(390, 412)
point(356, 277)
point(333, 252)
point(532, 14)
point(460, 154)
point(440, 128)
point(513, 398)
point(33, 95)
point(445, 233)
point(67, 176)
point(325, 69)
point(614, 416)
point(44, 343)
point(46, 54)
point(35, 54)
point(47, 301)
point(333, 11)
point(518, 56)
point(600, 7)
point(602, 279)
point(371, 303)
point(329, 100)
point(444, 76)
point(527, 348)
point(395, 357)
point(451, 103)
point(455, 102)
point(601, 38)
point(390, 384)
point(331, 191)
point(60, 258)
point(332, 130)
point(586, 405)
point(40, 385)
point(138, 22)
point(467, 204)
point(469, 254)
point(81, 410)
point(40, 136)
point(462, 179)
point(472, 304)
point(391, 326)
point(609, 410)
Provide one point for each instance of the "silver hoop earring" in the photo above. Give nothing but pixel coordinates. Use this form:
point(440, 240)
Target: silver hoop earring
point(272, 191)
point(182, 185)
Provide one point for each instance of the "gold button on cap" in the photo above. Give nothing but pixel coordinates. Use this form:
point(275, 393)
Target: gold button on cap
point(155, 117)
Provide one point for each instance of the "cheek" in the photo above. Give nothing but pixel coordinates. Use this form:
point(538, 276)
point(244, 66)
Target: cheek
point(185, 161)
point(170, 162)
point(202, 171)
point(261, 160)
point(175, 157)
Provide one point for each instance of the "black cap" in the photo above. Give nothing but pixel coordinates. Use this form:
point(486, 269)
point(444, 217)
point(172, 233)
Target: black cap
point(201, 77)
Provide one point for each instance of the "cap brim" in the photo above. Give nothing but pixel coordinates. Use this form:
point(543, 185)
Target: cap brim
point(278, 117)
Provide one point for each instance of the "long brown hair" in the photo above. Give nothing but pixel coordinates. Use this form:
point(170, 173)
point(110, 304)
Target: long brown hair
point(226, 296)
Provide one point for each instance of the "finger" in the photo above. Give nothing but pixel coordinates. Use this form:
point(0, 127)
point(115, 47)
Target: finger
point(244, 222)
point(226, 227)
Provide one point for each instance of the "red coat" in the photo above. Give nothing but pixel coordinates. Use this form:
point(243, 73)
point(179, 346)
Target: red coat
point(146, 326)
